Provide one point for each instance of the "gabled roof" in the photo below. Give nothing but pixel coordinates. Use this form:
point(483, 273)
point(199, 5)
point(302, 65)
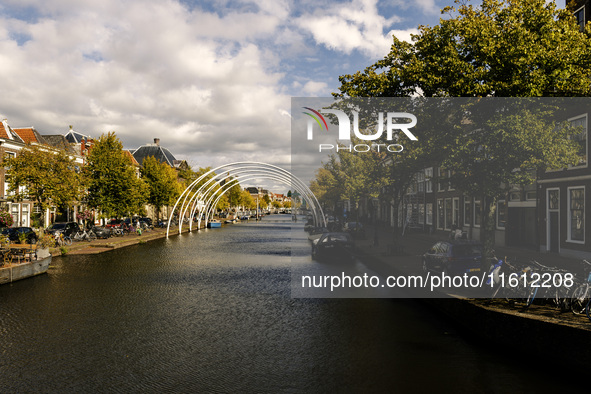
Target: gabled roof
point(181, 164)
point(161, 154)
point(59, 141)
point(130, 155)
point(8, 133)
point(252, 190)
point(74, 137)
point(29, 135)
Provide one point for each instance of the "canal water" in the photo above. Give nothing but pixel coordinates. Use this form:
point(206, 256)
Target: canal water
point(212, 312)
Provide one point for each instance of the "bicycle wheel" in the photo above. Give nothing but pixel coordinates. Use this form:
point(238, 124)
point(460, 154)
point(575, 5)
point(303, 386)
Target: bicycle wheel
point(531, 295)
point(579, 299)
point(67, 240)
point(91, 236)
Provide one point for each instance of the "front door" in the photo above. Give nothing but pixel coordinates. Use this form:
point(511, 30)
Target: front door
point(553, 215)
point(554, 231)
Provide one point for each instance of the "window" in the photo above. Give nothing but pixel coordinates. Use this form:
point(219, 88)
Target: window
point(9, 155)
point(580, 137)
point(429, 213)
point(449, 175)
point(441, 181)
point(421, 213)
point(501, 214)
point(515, 196)
point(15, 213)
point(448, 213)
point(576, 214)
point(456, 214)
point(467, 212)
point(421, 181)
point(428, 182)
point(25, 215)
point(580, 17)
point(553, 196)
point(477, 213)
point(440, 214)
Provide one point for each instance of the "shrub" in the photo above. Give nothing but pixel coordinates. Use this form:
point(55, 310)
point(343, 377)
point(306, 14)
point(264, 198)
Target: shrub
point(5, 218)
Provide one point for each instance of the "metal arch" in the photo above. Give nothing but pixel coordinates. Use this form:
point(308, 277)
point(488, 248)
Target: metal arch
point(253, 174)
point(261, 172)
point(303, 189)
point(211, 206)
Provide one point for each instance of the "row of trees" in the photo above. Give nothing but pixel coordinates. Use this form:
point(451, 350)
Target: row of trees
point(108, 182)
point(500, 48)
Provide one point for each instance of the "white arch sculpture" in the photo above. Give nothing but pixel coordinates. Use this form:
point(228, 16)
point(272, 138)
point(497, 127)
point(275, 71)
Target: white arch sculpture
point(205, 198)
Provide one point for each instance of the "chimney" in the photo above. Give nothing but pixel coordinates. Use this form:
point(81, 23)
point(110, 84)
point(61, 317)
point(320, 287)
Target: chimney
point(157, 141)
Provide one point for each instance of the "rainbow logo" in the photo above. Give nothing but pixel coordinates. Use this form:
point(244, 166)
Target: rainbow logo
point(317, 117)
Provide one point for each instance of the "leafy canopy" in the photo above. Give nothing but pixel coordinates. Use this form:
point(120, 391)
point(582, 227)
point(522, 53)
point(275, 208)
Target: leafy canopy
point(112, 182)
point(45, 176)
point(503, 48)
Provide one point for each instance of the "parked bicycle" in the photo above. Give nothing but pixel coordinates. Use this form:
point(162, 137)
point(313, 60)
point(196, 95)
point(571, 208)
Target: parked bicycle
point(581, 292)
point(117, 231)
point(551, 285)
point(510, 282)
point(61, 239)
point(85, 236)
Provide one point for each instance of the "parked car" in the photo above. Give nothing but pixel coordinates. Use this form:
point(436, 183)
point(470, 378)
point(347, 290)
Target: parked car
point(101, 232)
point(114, 223)
point(146, 220)
point(454, 257)
point(14, 234)
point(333, 246)
point(68, 228)
point(142, 220)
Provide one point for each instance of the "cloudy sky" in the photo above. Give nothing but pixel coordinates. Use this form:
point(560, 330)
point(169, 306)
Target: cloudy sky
point(211, 79)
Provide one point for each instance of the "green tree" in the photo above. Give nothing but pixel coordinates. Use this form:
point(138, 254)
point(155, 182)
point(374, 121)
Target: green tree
point(111, 180)
point(265, 201)
point(502, 48)
point(161, 179)
point(44, 176)
point(234, 196)
point(247, 201)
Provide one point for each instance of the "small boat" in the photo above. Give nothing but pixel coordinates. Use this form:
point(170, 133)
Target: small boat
point(214, 223)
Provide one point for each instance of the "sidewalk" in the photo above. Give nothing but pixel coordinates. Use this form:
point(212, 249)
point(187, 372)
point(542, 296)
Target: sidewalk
point(105, 245)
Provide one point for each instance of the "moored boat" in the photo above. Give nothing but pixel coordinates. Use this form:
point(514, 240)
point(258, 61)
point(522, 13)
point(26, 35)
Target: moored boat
point(214, 223)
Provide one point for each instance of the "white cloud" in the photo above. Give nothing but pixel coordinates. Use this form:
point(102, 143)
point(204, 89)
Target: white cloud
point(346, 27)
point(315, 88)
point(213, 84)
